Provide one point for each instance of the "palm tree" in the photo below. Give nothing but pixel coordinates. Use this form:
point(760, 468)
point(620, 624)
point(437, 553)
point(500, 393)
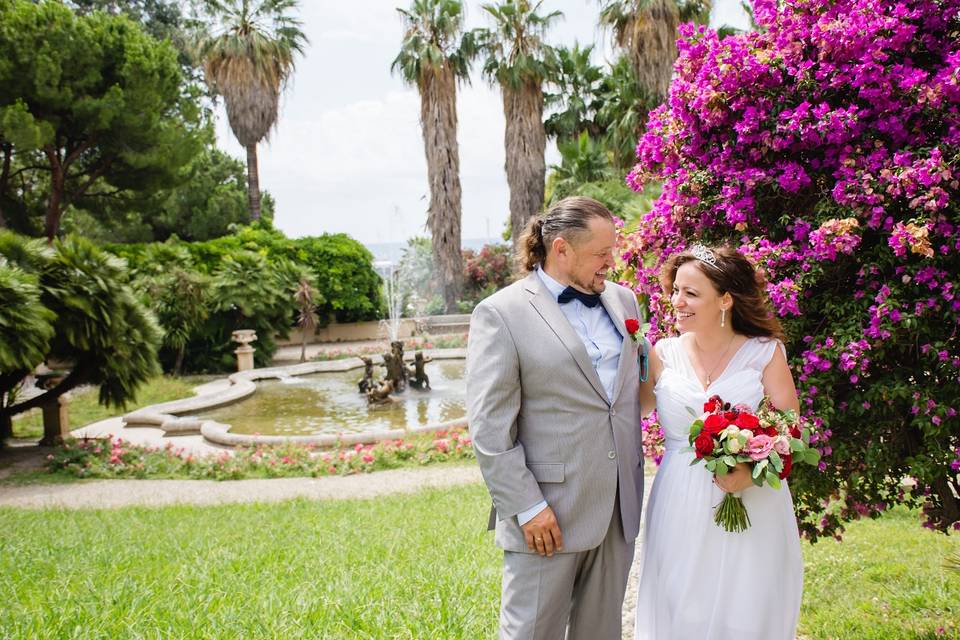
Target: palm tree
point(623, 113)
point(248, 58)
point(647, 31)
point(577, 101)
point(436, 53)
point(517, 58)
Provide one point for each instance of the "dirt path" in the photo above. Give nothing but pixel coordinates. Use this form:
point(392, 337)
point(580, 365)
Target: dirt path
point(96, 494)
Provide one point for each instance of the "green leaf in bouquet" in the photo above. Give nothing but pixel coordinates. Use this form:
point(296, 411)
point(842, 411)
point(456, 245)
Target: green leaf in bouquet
point(691, 411)
point(730, 461)
point(712, 465)
point(776, 461)
point(758, 468)
point(805, 435)
point(695, 429)
point(796, 444)
point(722, 469)
point(773, 480)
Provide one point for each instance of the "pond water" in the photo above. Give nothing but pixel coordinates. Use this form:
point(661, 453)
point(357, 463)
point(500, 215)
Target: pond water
point(330, 403)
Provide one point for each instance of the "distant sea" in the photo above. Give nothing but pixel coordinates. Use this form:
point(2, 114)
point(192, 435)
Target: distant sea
point(393, 251)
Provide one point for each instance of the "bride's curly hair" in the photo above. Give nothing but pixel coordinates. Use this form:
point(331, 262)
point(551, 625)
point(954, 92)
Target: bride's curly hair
point(731, 272)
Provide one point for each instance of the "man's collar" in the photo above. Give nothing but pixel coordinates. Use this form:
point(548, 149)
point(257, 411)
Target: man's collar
point(552, 285)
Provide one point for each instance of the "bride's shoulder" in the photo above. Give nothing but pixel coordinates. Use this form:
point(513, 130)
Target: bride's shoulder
point(761, 350)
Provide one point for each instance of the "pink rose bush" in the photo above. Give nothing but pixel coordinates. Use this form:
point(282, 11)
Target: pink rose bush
point(106, 458)
point(826, 146)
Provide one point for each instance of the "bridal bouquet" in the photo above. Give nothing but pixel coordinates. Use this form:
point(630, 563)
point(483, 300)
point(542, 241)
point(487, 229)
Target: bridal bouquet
point(769, 440)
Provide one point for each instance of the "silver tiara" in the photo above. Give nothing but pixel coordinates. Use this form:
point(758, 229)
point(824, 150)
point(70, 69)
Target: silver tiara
point(703, 254)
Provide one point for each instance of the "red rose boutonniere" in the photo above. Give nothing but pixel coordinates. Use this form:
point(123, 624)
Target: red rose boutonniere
point(633, 328)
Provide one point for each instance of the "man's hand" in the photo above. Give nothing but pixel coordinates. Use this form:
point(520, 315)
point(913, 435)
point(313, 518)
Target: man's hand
point(736, 480)
point(542, 533)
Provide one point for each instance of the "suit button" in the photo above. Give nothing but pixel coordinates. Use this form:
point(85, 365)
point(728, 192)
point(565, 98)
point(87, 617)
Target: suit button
point(612, 454)
point(613, 412)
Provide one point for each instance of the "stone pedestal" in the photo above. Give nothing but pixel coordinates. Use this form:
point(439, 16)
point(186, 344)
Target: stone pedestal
point(244, 352)
point(56, 421)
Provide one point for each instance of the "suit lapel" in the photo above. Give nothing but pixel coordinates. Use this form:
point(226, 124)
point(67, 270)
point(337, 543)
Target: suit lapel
point(549, 310)
point(614, 310)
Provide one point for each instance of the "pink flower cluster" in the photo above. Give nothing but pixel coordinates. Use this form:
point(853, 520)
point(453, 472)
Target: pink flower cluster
point(827, 147)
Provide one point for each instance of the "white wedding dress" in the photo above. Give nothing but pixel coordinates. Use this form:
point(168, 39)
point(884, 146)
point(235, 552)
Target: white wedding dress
point(699, 582)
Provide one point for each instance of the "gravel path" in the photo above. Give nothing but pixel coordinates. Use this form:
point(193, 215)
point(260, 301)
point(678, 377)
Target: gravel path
point(99, 494)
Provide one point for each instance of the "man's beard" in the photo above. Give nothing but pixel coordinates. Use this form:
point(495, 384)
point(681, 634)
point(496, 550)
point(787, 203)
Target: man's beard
point(588, 286)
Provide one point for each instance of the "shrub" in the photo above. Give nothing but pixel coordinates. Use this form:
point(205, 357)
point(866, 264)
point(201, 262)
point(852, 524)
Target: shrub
point(826, 146)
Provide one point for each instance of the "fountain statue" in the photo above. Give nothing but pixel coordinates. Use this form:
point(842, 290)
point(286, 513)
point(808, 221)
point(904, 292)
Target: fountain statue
point(381, 393)
point(366, 383)
point(419, 378)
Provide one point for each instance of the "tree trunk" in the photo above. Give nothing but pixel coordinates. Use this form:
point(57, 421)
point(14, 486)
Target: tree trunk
point(178, 363)
point(253, 182)
point(654, 46)
point(303, 346)
point(6, 429)
point(4, 176)
point(54, 209)
point(524, 143)
point(438, 120)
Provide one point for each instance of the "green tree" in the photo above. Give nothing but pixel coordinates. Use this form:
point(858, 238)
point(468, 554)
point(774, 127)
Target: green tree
point(248, 59)
point(624, 110)
point(307, 318)
point(91, 105)
point(435, 53)
point(646, 30)
point(519, 60)
point(582, 160)
point(577, 101)
point(102, 334)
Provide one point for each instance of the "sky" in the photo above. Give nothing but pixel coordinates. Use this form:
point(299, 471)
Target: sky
point(347, 153)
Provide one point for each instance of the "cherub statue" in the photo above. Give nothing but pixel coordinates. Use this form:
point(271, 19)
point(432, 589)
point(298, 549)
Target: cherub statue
point(366, 383)
point(380, 394)
point(420, 380)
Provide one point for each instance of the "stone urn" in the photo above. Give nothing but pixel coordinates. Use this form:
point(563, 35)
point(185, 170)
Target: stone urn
point(244, 352)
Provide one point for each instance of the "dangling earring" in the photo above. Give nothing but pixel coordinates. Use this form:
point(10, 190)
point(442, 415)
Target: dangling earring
point(723, 317)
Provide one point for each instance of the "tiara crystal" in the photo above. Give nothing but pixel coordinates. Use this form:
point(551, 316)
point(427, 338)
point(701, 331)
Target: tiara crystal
point(703, 254)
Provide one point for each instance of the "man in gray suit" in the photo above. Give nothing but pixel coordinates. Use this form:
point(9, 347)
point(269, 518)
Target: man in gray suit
point(554, 411)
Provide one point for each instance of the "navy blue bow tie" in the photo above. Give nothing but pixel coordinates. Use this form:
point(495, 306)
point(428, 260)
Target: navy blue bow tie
point(588, 299)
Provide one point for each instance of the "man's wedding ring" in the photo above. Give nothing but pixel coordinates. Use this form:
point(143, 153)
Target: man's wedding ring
point(539, 539)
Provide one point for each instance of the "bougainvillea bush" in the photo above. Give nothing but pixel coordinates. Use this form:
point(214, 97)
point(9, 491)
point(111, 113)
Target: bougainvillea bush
point(825, 146)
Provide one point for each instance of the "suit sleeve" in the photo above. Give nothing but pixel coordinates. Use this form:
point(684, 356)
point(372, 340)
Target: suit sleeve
point(493, 403)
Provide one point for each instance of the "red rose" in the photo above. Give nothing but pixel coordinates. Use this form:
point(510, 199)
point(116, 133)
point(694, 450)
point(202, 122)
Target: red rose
point(714, 424)
point(771, 431)
point(703, 444)
point(746, 420)
point(712, 404)
point(795, 432)
point(632, 324)
point(787, 465)
point(731, 416)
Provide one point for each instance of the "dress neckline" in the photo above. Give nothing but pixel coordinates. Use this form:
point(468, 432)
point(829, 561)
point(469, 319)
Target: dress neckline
point(693, 371)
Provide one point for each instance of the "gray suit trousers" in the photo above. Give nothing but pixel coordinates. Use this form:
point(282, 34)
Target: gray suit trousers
point(577, 596)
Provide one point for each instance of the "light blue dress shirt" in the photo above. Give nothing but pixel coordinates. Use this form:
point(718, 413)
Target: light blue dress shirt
point(602, 341)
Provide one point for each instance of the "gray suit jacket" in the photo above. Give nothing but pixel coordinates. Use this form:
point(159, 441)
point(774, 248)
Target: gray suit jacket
point(541, 423)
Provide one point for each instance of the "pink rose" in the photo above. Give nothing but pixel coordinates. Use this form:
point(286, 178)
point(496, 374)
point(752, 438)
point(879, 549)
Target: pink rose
point(758, 447)
point(781, 444)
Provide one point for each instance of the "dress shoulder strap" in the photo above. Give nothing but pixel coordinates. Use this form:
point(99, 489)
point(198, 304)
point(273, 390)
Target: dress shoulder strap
point(759, 351)
point(667, 350)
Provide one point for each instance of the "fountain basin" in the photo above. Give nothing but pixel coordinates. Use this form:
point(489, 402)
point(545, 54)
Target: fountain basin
point(446, 413)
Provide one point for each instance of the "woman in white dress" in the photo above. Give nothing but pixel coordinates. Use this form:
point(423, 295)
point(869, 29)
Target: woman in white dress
point(697, 580)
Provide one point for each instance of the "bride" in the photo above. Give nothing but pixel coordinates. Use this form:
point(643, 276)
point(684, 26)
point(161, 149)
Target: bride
point(697, 580)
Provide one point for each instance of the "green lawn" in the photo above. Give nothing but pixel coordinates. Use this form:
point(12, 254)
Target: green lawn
point(416, 566)
point(85, 407)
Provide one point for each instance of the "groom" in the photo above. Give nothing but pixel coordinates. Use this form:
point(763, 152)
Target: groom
point(553, 403)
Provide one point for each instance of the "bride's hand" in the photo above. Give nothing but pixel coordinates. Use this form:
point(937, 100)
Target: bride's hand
point(736, 480)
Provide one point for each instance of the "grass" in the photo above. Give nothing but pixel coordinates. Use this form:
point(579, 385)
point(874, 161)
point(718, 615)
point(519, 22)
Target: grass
point(401, 567)
point(416, 566)
point(886, 580)
point(85, 407)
